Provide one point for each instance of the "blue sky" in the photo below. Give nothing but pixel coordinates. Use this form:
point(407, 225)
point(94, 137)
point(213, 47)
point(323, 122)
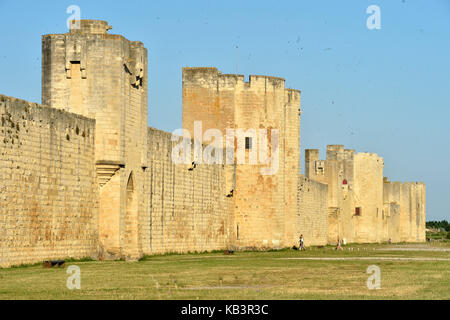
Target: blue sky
point(385, 91)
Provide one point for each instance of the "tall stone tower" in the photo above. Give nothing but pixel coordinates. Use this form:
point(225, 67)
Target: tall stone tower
point(355, 193)
point(104, 76)
point(265, 205)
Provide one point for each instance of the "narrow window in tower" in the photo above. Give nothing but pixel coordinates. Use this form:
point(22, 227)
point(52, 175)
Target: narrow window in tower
point(248, 143)
point(320, 167)
point(76, 102)
point(237, 232)
point(358, 211)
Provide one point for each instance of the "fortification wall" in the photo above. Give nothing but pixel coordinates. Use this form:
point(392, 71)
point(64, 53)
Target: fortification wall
point(48, 207)
point(73, 186)
point(357, 212)
point(188, 208)
point(368, 196)
point(262, 211)
point(104, 76)
point(292, 113)
point(265, 205)
point(405, 207)
point(313, 209)
point(337, 171)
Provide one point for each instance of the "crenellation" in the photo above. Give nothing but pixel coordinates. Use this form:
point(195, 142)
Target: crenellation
point(230, 81)
point(349, 154)
point(364, 205)
point(84, 176)
point(97, 27)
point(293, 97)
point(335, 152)
point(266, 81)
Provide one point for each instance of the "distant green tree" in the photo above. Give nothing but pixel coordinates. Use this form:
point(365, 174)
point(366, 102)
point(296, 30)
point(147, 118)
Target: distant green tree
point(439, 225)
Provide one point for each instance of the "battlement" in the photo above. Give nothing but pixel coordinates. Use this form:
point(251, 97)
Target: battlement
point(266, 81)
point(212, 78)
point(137, 44)
point(9, 103)
point(293, 96)
point(370, 156)
point(312, 154)
point(90, 27)
point(349, 154)
point(335, 152)
point(88, 157)
point(4, 99)
point(405, 183)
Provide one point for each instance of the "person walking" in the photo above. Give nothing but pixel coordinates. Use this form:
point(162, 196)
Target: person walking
point(339, 247)
point(302, 243)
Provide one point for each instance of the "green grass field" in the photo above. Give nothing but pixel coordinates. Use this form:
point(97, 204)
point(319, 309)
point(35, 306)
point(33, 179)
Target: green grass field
point(420, 271)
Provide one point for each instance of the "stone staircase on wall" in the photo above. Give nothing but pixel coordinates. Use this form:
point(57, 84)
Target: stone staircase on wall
point(106, 170)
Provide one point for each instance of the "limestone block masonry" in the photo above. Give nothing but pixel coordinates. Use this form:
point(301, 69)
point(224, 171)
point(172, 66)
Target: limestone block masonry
point(313, 207)
point(265, 206)
point(82, 175)
point(363, 206)
point(188, 209)
point(48, 193)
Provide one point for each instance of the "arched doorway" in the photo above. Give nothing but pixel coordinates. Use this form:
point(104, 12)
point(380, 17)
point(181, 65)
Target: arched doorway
point(131, 230)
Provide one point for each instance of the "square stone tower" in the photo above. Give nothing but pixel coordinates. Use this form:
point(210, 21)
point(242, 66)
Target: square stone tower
point(265, 205)
point(104, 76)
point(355, 193)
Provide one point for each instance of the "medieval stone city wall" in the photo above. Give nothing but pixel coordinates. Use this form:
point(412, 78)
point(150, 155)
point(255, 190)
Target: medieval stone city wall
point(362, 207)
point(84, 176)
point(312, 215)
point(48, 195)
point(265, 205)
point(103, 76)
point(405, 206)
point(188, 208)
point(368, 196)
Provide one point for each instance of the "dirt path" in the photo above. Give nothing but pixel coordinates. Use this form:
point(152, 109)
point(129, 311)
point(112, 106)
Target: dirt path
point(368, 258)
point(434, 249)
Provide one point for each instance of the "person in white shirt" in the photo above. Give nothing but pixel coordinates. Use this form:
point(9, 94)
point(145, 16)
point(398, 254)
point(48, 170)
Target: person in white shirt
point(302, 243)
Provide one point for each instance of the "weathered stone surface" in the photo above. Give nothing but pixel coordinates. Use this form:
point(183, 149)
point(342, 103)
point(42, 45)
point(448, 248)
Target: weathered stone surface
point(265, 206)
point(104, 76)
point(48, 194)
point(312, 220)
point(187, 208)
point(83, 176)
point(363, 206)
